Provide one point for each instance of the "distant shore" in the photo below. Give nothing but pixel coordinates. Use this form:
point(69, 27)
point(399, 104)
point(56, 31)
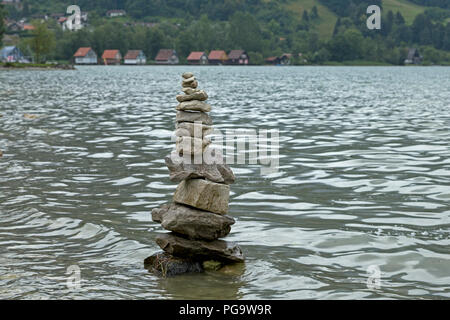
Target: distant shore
point(35, 66)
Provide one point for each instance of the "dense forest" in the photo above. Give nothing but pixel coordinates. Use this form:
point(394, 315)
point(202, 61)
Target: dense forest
point(262, 28)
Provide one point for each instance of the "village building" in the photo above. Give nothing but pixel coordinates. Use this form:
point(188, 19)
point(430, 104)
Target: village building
point(167, 56)
point(197, 58)
point(12, 54)
point(115, 13)
point(413, 56)
point(111, 57)
point(217, 57)
point(238, 57)
point(28, 27)
point(85, 55)
point(273, 60)
point(13, 26)
point(135, 57)
point(283, 60)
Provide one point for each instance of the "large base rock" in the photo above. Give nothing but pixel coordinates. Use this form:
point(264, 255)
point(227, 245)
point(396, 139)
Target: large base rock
point(219, 250)
point(167, 265)
point(193, 223)
point(204, 195)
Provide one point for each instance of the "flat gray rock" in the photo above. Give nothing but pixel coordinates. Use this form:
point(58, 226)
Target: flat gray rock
point(204, 195)
point(192, 146)
point(186, 116)
point(189, 129)
point(187, 75)
point(194, 105)
point(179, 171)
point(196, 95)
point(219, 250)
point(193, 223)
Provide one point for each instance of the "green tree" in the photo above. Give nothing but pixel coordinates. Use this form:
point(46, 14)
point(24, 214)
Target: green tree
point(314, 13)
point(42, 41)
point(245, 32)
point(2, 24)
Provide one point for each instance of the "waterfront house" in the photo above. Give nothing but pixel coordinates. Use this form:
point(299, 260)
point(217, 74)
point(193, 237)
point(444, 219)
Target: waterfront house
point(115, 13)
point(85, 55)
point(135, 57)
point(285, 59)
point(111, 57)
point(197, 58)
point(12, 54)
point(28, 27)
point(273, 60)
point(413, 56)
point(217, 57)
point(167, 56)
point(238, 57)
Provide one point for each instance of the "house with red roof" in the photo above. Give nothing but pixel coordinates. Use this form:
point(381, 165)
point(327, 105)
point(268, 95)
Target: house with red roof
point(167, 56)
point(217, 57)
point(85, 55)
point(238, 57)
point(135, 57)
point(197, 58)
point(111, 57)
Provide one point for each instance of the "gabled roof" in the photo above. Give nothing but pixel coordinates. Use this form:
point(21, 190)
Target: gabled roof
point(165, 54)
point(271, 59)
point(195, 55)
point(28, 27)
point(413, 52)
point(110, 54)
point(132, 54)
point(235, 54)
point(82, 52)
point(217, 55)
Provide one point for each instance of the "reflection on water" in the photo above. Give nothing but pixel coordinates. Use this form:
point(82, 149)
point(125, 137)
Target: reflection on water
point(364, 180)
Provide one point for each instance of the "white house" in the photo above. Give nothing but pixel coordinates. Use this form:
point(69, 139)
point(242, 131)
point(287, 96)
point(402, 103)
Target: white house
point(85, 56)
point(135, 57)
point(115, 13)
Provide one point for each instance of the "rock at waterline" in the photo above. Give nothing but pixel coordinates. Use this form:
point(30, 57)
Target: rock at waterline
point(212, 265)
point(215, 172)
point(186, 116)
point(167, 265)
point(193, 223)
point(204, 195)
point(220, 250)
point(30, 116)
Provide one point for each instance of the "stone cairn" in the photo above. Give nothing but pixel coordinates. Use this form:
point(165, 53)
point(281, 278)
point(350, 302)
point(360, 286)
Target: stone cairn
point(197, 218)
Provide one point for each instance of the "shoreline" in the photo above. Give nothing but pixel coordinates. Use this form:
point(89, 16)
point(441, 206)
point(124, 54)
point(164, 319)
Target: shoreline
point(35, 66)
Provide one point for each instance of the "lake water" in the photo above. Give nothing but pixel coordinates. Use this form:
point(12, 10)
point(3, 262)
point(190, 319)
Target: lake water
point(363, 182)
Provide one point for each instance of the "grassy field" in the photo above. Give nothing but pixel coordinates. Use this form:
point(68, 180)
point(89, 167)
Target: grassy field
point(327, 20)
point(408, 9)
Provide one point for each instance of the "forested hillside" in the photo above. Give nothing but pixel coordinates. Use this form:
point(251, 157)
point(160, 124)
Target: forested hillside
point(322, 30)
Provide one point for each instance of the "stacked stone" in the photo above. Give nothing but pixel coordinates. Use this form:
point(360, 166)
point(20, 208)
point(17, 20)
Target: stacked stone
point(197, 218)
